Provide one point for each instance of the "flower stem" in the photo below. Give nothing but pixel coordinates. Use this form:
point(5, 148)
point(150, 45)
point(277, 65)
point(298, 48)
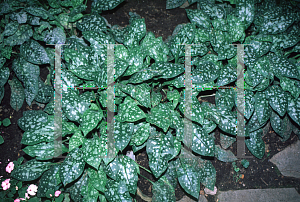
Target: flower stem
point(208, 95)
point(145, 169)
point(147, 179)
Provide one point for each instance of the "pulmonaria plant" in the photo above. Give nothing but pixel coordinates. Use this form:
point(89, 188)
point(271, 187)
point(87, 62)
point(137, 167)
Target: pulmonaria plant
point(148, 99)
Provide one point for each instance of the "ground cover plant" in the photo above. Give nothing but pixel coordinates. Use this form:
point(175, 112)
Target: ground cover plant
point(149, 94)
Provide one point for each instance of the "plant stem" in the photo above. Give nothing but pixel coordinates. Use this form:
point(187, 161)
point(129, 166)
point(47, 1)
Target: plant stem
point(208, 95)
point(147, 179)
point(145, 169)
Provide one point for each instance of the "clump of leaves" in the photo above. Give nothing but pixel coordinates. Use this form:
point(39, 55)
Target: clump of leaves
point(145, 68)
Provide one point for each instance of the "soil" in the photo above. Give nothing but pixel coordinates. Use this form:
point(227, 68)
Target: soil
point(260, 173)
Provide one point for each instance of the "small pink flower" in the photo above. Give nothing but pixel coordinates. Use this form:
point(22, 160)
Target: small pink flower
point(26, 197)
point(17, 200)
point(10, 167)
point(57, 193)
point(5, 184)
point(32, 189)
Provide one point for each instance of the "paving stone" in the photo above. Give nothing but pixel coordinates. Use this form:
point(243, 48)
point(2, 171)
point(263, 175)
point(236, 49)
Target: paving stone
point(202, 198)
point(288, 160)
point(260, 195)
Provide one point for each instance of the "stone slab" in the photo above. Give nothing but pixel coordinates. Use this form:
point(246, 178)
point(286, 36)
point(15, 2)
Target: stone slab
point(202, 198)
point(260, 195)
point(288, 160)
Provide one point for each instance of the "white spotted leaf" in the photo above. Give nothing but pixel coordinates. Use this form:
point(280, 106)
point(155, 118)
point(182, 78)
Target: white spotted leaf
point(90, 120)
point(72, 167)
point(30, 170)
point(203, 143)
point(224, 155)
point(160, 150)
point(129, 111)
point(159, 116)
point(163, 191)
point(262, 107)
point(255, 144)
point(17, 94)
point(277, 99)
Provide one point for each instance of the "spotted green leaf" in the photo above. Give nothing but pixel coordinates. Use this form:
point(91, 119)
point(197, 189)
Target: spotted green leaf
point(203, 143)
point(245, 11)
point(32, 120)
point(167, 70)
point(155, 98)
point(282, 126)
point(129, 111)
point(37, 11)
point(122, 134)
point(262, 107)
point(4, 74)
point(142, 134)
point(228, 121)
point(277, 99)
point(90, 120)
point(45, 92)
point(135, 60)
point(275, 20)
point(30, 170)
point(76, 188)
point(170, 4)
point(182, 34)
point(205, 72)
point(283, 67)
point(33, 52)
point(291, 86)
point(225, 98)
point(49, 180)
point(100, 5)
point(29, 75)
point(73, 3)
point(224, 155)
point(10, 28)
point(93, 22)
point(76, 140)
point(255, 144)
point(160, 150)
point(117, 191)
point(73, 104)
point(293, 109)
point(236, 28)
point(188, 176)
point(42, 151)
point(140, 93)
point(163, 191)
point(159, 116)
point(41, 132)
point(249, 103)
point(226, 140)
point(55, 36)
point(23, 34)
point(200, 18)
point(1, 93)
point(155, 47)
point(98, 178)
point(21, 17)
point(227, 76)
point(72, 167)
point(94, 151)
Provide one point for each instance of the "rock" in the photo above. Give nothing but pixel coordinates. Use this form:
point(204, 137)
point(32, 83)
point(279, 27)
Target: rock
point(288, 160)
point(207, 191)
